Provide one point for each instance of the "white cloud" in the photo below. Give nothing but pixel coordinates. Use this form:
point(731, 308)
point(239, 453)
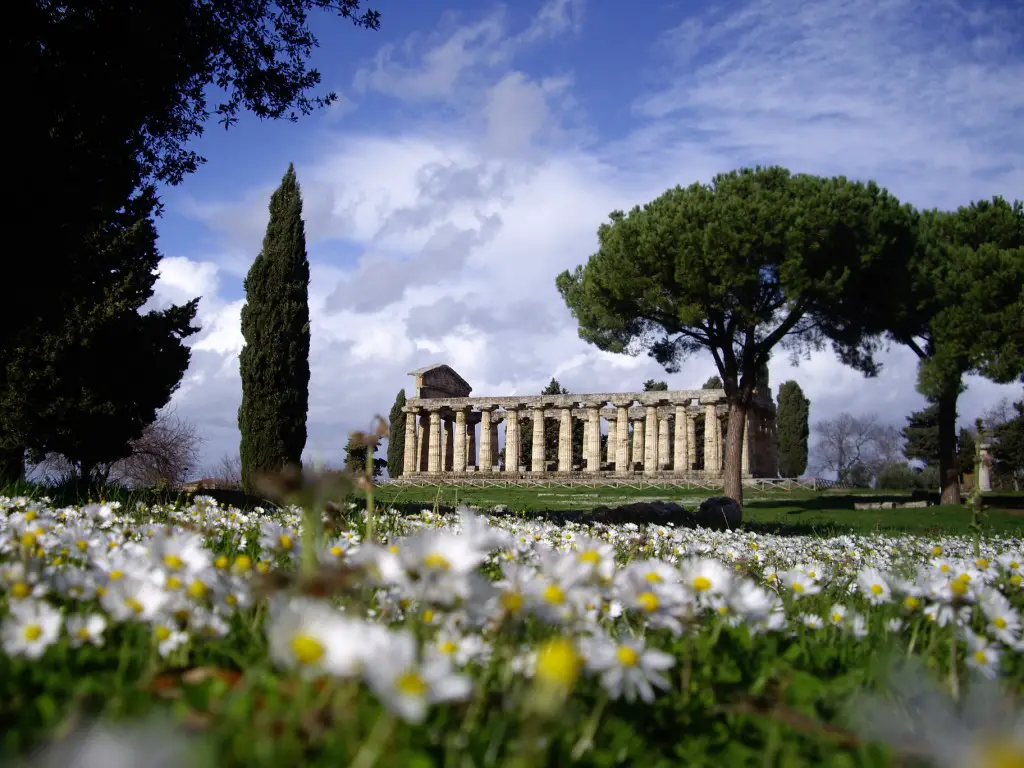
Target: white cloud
point(460, 222)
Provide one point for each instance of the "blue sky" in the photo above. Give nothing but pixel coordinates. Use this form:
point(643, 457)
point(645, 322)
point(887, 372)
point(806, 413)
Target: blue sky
point(476, 147)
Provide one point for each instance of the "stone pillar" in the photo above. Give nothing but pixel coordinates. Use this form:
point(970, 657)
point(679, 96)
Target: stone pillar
point(592, 445)
point(638, 444)
point(434, 455)
point(586, 441)
point(651, 439)
point(984, 466)
point(459, 459)
point(682, 447)
point(663, 444)
point(719, 444)
point(620, 440)
point(537, 445)
point(449, 445)
point(409, 457)
point(710, 430)
point(565, 440)
point(486, 457)
point(511, 439)
point(470, 447)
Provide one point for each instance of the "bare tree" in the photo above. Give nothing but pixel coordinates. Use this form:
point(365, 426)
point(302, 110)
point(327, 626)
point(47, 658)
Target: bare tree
point(166, 452)
point(228, 470)
point(999, 414)
point(847, 441)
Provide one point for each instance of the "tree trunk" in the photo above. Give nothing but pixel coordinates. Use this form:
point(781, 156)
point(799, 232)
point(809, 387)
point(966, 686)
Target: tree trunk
point(732, 476)
point(949, 477)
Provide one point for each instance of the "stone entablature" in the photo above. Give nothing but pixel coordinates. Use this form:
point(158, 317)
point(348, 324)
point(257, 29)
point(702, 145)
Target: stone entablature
point(665, 433)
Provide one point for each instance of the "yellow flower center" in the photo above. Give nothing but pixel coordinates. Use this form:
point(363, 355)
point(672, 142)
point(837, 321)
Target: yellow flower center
point(653, 577)
point(553, 594)
point(222, 562)
point(437, 562)
point(702, 583)
point(263, 567)
point(964, 577)
point(981, 657)
point(285, 541)
point(243, 563)
point(937, 550)
point(197, 589)
point(20, 590)
point(393, 549)
point(82, 633)
point(447, 647)
point(174, 583)
point(173, 562)
point(982, 563)
point(307, 649)
point(590, 557)
point(336, 550)
point(31, 515)
point(944, 568)
point(162, 633)
point(230, 599)
point(876, 589)
point(82, 545)
point(798, 587)
point(627, 656)
point(411, 684)
point(1017, 579)
point(999, 622)
point(28, 540)
point(958, 588)
point(428, 616)
point(116, 575)
point(648, 601)
point(1001, 755)
point(134, 604)
point(512, 602)
point(836, 618)
point(33, 632)
point(911, 602)
point(558, 663)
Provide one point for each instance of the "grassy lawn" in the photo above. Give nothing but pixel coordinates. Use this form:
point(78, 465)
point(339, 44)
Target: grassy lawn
point(782, 512)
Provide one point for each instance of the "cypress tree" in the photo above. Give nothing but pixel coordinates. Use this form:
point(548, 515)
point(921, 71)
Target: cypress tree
point(793, 428)
point(274, 361)
point(396, 436)
point(922, 436)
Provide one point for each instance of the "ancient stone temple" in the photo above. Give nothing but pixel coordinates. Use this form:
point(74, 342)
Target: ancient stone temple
point(680, 434)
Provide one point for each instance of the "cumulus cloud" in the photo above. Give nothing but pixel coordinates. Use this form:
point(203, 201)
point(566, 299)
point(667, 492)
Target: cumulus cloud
point(439, 240)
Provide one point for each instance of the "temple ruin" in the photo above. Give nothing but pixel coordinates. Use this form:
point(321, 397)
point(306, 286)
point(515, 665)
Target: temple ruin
point(669, 434)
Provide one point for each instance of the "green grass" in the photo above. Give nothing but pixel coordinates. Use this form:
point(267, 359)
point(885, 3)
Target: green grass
point(781, 512)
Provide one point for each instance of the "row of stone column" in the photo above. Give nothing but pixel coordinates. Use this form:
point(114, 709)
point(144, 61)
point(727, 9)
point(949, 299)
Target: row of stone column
point(437, 443)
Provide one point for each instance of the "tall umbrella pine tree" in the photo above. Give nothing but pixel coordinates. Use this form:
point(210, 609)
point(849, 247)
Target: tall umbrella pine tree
point(274, 362)
point(756, 259)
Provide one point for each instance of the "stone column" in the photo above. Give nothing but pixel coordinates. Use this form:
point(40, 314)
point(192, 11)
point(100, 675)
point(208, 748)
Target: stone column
point(620, 440)
point(691, 440)
point(638, 444)
point(663, 444)
point(984, 465)
point(592, 445)
point(434, 455)
point(565, 440)
point(586, 440)
point(495, 421)
point(719, 445)
point(537, 446)
point(511, 439)
point(459, 460)
point(682, 446)
point(449, 445)
point(486, 457)
point(710, 430)
point(409, 456)
point(470, 447)
point(651, 439)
